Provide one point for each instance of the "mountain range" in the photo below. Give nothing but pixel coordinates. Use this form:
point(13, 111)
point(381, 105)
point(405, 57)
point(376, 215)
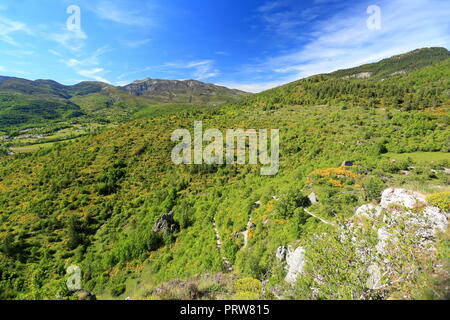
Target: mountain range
point(29, 103)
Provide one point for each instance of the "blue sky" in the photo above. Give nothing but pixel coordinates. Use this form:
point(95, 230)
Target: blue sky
point(248, 44)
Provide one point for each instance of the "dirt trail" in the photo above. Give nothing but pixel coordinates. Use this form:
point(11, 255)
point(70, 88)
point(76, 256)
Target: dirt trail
point(317, 217)
point(226, 263)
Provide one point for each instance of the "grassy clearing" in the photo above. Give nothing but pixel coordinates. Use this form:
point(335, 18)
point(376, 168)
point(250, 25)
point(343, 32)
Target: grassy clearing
point(420, 156)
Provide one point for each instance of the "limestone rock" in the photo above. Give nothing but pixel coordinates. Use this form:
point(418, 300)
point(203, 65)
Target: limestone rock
point(296, 262)
point(405, 198)
point(313, 198)
point(369, 211)
point(374, 280)
point(281, 253)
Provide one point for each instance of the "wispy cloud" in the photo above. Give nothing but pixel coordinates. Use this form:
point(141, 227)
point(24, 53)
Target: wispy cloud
point(89, 66)
point(94, 74)
point(9, 27)
point(90, 60)
point(134, 72)
point(135, 43)
point(121, 14)
point(344, 41)
point(201, 69)
point(70, 40)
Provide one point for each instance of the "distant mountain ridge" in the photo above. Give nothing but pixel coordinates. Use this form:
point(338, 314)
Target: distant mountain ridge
point(26, 102)
point(180, 90)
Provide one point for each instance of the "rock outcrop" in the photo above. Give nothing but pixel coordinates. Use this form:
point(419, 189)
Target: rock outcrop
point(295, 260)
point(166, 224)
point(409, 208)
point(404, 210)
point(400, 211)
point(281, 253)
point(83, 295)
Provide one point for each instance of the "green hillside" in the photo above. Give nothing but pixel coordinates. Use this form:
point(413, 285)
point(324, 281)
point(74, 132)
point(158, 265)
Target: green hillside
point(400, 64)
point(94, 201)
point(25, 103)
point(36, 114)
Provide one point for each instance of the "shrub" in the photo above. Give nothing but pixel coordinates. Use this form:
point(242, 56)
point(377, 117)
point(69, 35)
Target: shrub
point(440, 200)
point(248, 285)
point(294, 199)
point(373, 186)
point(118, 289)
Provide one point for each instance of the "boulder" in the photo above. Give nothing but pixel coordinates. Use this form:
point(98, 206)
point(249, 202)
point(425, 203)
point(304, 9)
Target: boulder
point(402, 197)
point(281, 253)
point(374, 280)
point(165, 224)
point(313, 198)
point(295, 260)
point(82, 295)
point(369, 211)
point(426, 221)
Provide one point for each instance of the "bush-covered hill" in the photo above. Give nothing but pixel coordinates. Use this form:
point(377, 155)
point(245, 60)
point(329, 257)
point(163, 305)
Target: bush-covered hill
point(396, 65)
point(95, 202)
point(25, 103)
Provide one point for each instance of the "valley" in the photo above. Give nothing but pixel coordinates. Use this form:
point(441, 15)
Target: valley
point(374, 151)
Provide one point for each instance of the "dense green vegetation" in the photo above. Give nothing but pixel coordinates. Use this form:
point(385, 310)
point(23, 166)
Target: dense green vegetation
point(93, 201)
point(32, 111)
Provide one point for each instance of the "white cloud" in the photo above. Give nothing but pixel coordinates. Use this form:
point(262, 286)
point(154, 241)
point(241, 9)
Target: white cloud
point(70, 40)
point(9, 27)
point(202, 69)
point(110, 11)
point(91, 60)
point(344, 41)
point(126, 74)
point(251, 87)
point(2, 69)
point(55, 53)
point(122, 83)
point(93, 74)
point(135, 43)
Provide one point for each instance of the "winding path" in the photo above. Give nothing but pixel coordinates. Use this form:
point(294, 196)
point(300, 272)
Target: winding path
point(226, 263)
point(317, 217)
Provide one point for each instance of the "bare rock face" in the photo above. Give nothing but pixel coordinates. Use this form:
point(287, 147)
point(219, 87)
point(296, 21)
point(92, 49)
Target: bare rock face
point(295, 260)
point(409, 209)
point(403, 206)
point(369, 211)
point(313, 198)
point(399, 209)
point(166, 224)
point(402, 197)
point(361, 75)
